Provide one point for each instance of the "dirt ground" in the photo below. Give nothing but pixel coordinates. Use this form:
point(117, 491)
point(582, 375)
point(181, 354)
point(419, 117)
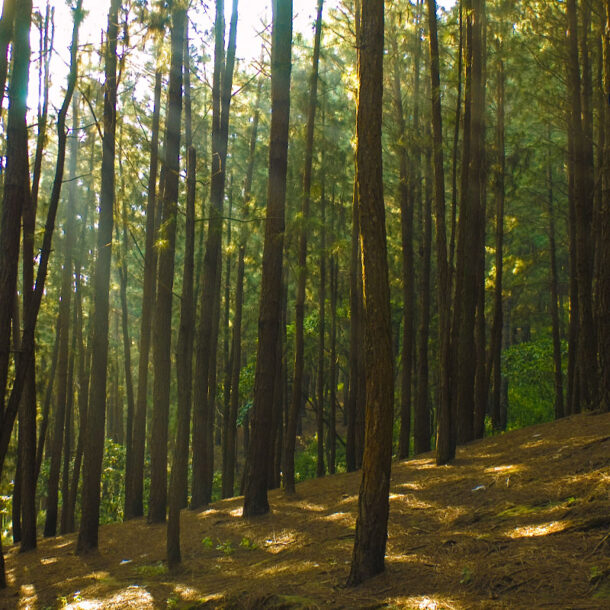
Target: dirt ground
point(521, 520)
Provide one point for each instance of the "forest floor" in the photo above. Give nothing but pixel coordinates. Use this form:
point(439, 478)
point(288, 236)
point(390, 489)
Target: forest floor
point(520, 520)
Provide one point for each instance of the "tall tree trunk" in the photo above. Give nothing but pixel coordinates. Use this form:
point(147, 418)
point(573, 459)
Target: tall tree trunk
point(456, 141)
point(203, 420)
point(558, 377)
point(230, 438)
point(445, 446)
point(421, 419)
point(299, 342)
point(84, 358)
point(184, 355)
point(498, 321)
point(603, 279)
point(481, 385)
point(583, 208)
point(468, 234)
point(134, 468)
point(68, 433)
point(353, 454)
point(229, 447)
point(320, 469)
point(16, 191)
point(259, 454)
point(162, 332)
point(408, 268)
point(373, 502)
point(94, 445)
point(184, 350)
point(50, 528)
point(24, 360)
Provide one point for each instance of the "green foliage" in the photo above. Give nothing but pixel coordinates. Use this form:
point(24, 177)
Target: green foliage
point(248, 544)
point(529, 370)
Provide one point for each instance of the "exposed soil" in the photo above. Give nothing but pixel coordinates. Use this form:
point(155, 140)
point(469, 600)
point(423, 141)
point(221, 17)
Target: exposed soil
point(521, 520)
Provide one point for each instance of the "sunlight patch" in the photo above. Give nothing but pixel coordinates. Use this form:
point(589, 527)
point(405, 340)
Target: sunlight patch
point(502, 469)
point(533, 531)
point(28, 596)
point(45, 561)
point(131, 597)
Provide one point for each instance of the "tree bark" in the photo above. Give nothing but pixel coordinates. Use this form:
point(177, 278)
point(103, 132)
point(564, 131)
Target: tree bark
point(259, 454)
point(373, 502)
point(162, 331)
point(603, 279)
point(498, 321)
point(299, 343)
point(445, 444)
point(203, 448)
point(94, 445)
point(134, 468)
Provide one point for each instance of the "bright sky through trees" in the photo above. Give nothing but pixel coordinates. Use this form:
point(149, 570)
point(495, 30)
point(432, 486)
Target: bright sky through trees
point(253, 14)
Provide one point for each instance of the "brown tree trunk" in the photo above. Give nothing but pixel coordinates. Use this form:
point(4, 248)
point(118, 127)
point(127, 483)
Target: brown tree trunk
point(421, 419)
point(134, 468)
point(583, 208)
point(230, 437)
point(603, 279)
point(373, 502)
point(408, 268)
point(94, 445)
point(259, 454)
point(498, 321)
point(203, 420)
point(162, 332)
point(299, 342)
point(320, 468)
point(468, 234)
point(24, 360)
point(63, 390)
point(445, 446)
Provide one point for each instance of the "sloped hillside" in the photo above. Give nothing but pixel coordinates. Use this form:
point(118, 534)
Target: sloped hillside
point(518, 521)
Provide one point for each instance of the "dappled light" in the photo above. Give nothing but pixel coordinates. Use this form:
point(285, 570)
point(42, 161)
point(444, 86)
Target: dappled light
point(458, 537)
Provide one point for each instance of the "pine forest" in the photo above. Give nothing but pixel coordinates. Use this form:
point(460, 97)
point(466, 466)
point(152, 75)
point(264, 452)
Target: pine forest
point(305, 304)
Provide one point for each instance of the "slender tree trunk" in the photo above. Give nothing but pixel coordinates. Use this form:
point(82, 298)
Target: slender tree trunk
point(583, 208)
point(558, 377)
point(24, 360)
point(468, 234)
point(16, 190)
point(230, 439)
point(46, 407)
point(331, 443)
point(498, 321)
point(408, 270)
point(421, 420)
point(184, 351)
point(456, 141)
point(353, 454)
point(50, 528)
point(162, 332)
point(134, 470)
point(94, 445)
point(228, 479)
point(603, 279)
point(299, 342)
point(320, 468)
point(373, 502)
point(259, 454)
point(203, 420)
point(68, 433)
point(445, 446)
